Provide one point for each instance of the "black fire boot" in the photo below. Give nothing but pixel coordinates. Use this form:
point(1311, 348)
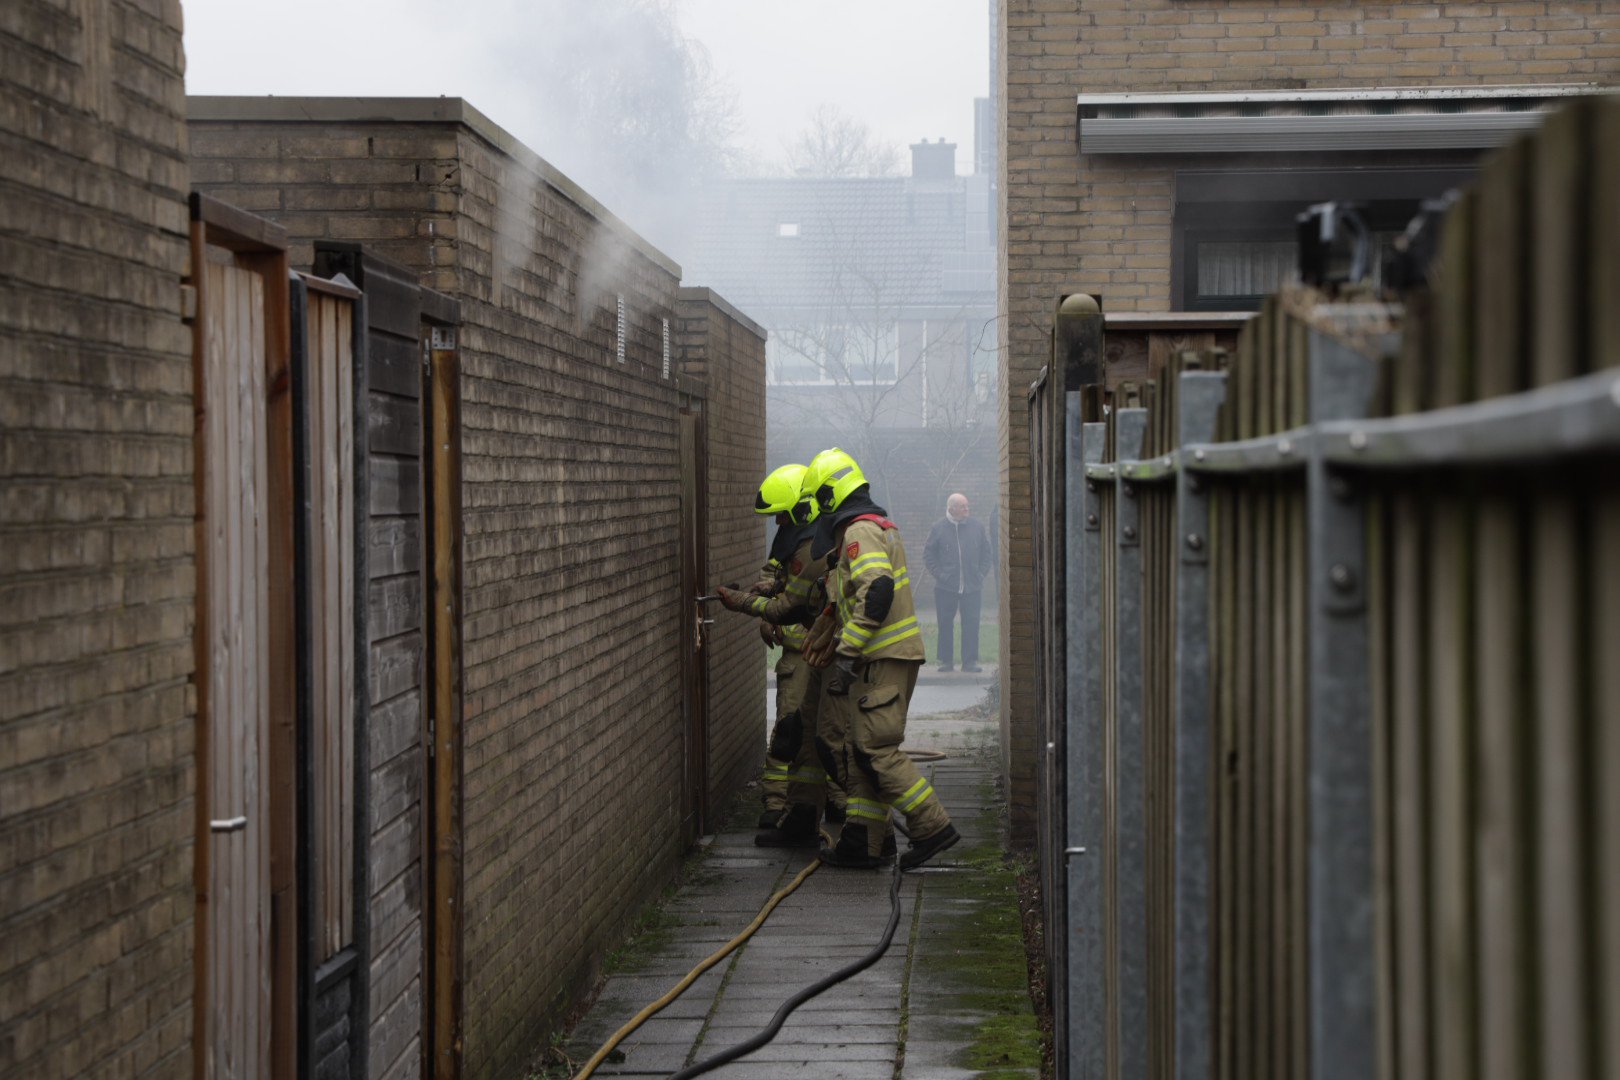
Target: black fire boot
point(889, 848)
point(797, 830)
point(922, 850)
point(835, 814)
point(851, 851)
point(768, 819)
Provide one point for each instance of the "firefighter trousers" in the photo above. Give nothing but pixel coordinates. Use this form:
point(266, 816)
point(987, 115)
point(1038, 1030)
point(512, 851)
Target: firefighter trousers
point(863, 732)
point(794, 771)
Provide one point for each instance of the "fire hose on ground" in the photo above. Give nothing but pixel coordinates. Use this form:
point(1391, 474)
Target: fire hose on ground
point(787, 1008)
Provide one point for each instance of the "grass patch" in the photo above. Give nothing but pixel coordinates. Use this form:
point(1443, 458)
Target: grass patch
point(651, 930)
point(987, 972)
point(989, 639)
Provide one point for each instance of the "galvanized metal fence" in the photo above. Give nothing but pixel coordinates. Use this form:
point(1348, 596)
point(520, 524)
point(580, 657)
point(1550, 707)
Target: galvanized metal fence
point(1330, 661)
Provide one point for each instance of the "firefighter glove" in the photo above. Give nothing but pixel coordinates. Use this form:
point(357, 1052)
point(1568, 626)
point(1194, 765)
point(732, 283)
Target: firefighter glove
point(732, 599)
point(772, 635)
point(820, 641)
point(842, 676)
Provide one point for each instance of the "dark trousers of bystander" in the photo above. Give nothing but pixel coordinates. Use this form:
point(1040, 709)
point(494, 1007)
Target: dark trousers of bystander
point(947, 604)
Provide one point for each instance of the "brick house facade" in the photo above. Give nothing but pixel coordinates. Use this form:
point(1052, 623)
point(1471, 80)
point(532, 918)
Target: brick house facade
point(1124, 224)
point(96, 543)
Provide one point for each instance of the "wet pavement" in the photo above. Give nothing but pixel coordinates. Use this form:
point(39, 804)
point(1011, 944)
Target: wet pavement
point(930, 699)
point(947, 1000)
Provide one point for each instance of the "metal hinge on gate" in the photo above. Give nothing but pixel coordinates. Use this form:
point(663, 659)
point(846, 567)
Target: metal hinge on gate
point(444, 337)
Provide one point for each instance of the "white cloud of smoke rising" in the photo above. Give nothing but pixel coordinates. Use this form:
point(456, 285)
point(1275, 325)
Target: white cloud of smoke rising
point(612, 93)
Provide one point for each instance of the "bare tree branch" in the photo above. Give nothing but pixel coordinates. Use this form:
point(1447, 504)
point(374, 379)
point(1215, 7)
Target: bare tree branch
point(838, 145)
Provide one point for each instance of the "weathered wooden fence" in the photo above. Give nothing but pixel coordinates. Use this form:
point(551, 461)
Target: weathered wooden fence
point(245, 964)
point(1331, 665)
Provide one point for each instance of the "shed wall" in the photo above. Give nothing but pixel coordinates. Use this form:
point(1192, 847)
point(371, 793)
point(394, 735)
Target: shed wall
point(728, 356)
point(97, 584)
point(570, 502)
point(571, 497)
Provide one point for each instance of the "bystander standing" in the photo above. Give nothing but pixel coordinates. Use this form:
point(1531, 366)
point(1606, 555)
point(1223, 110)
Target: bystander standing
point(958, 555)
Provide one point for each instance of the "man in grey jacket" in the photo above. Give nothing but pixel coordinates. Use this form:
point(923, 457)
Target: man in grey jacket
point(958, 556)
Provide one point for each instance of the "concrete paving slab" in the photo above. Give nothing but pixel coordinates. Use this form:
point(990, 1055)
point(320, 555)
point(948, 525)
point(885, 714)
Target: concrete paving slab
point(806, 1029)
point(903, 1017)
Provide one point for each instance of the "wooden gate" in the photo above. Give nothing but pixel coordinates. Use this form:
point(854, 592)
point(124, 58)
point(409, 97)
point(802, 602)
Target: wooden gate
point(694, 557)
point(245, 1023)
point(441, 500)
point(406, 987)
point(330, 467)
point(328, 453)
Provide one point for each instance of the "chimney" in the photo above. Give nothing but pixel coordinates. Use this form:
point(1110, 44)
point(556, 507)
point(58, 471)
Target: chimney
point(933, 161)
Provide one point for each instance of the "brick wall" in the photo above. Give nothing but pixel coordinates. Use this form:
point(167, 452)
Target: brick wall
point(96, 578)
point(717, 345)
point(572, 736)
point(571, 495)
point(1104, 225)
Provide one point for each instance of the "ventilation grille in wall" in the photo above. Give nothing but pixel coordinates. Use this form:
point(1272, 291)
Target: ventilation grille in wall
point(666, 348)
point(618, 347)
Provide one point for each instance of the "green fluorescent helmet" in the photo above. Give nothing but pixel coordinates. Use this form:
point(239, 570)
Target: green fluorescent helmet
point(832, 476)
point(781, 493)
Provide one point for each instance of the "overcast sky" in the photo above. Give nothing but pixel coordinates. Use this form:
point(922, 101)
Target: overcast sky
point(908, 68)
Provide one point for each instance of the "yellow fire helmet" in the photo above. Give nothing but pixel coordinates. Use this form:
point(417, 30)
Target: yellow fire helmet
point(782, 493)
point(832, 476)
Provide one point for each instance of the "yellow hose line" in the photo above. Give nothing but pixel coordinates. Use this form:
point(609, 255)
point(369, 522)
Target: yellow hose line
point(692, 976)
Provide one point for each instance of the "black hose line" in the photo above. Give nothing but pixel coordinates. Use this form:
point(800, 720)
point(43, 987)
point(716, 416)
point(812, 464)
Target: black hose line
point(748, 1046)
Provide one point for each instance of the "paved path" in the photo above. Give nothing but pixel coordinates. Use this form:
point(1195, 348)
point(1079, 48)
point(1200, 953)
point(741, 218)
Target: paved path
point(926, 1010)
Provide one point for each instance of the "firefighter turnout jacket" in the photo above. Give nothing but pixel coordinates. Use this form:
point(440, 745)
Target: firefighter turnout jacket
point(774, 574)
point(871, 590)
point(795, 605)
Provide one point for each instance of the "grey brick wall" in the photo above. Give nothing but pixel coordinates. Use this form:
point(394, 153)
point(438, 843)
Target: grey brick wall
point(725, 350)
point(570, 510)
point(571, 501)
point(1105, 225)
point(96, 577)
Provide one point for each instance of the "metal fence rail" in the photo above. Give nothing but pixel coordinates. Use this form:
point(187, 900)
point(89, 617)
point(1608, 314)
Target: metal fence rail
point(1335, 776)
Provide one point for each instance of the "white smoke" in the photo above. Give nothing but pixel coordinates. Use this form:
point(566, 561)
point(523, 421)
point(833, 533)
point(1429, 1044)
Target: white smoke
point(615, 95)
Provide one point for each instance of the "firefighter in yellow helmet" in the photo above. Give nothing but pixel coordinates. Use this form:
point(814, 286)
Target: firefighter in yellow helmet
point(786, 597)
point(873, 663)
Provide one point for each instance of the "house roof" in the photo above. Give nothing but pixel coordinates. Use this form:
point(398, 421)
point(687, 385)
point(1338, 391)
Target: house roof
point(877, 243)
